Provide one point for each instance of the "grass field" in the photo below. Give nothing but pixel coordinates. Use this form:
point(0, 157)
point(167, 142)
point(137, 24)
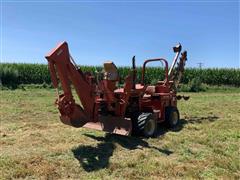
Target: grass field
point(35, 144)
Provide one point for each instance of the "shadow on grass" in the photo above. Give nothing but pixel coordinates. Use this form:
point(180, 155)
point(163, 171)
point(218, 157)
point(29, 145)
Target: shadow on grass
point(93, 158)
point(195, 119)
point(182, 122)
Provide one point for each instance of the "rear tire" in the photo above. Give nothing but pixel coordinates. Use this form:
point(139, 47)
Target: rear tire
point(171, 116)
point(145, 125)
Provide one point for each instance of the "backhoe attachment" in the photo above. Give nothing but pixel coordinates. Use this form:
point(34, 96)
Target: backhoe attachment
point(91, 111)
point(62, 69)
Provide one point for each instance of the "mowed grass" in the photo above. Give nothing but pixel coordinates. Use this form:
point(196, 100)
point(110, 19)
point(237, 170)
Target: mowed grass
point(35, 144)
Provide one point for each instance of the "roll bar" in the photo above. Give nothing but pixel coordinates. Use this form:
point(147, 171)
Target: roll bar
point(151, 60)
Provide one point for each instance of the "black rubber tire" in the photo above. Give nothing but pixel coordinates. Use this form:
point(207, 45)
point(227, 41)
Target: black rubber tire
point(134, 119)
point(145, 125)
point(171, 116)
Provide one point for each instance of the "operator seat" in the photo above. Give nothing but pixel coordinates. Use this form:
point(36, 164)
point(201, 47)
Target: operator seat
point(110, 76)
point(110, 71)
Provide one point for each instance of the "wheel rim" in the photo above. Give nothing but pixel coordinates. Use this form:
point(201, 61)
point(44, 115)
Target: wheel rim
point(175, 118)
point(149, 127)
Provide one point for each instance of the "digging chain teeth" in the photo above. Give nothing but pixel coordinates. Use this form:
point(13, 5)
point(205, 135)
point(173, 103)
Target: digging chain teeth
point(178, 73)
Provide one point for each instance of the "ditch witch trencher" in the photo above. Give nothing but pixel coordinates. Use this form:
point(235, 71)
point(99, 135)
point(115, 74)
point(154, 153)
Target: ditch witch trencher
point(134, 108)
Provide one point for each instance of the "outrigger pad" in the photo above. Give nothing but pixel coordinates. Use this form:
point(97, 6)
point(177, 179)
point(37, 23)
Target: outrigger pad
point(111, 124)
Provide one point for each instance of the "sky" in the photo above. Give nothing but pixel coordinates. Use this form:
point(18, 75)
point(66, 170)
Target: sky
point(117, 30)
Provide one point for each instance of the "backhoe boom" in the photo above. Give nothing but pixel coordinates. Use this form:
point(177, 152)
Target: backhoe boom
point(61, 68)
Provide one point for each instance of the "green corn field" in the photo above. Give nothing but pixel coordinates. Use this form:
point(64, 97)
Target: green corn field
point(12, 74)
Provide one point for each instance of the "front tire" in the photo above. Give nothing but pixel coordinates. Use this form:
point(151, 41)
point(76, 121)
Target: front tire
point(172, 116)
point(146, 125)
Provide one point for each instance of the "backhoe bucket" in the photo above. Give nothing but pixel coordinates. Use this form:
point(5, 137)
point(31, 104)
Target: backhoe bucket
point(77, 119)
